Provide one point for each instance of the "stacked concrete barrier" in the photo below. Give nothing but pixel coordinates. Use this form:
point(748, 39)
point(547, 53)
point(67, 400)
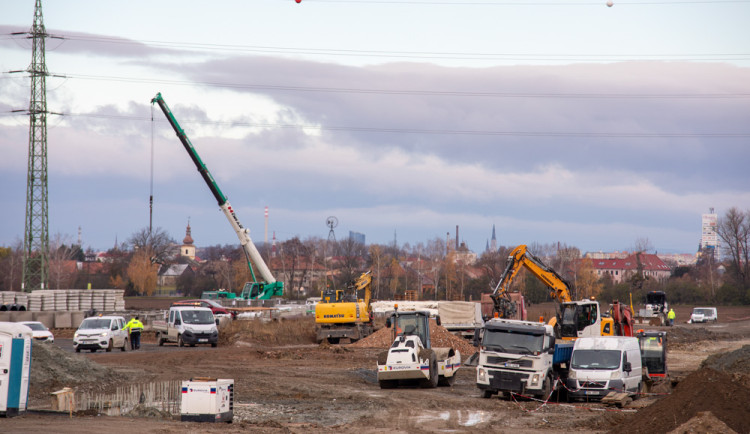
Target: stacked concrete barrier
point(62, 300)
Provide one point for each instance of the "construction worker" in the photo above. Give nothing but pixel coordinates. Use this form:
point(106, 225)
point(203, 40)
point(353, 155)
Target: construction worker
point(671, 316)
point(134, 327)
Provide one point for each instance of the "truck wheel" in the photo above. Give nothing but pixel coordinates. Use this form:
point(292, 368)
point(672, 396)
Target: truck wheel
point(546, 389)
point(124, 345)
point(109, 347)
point(487, 394)
point(78, 350)
point(180, 343)
point(159, 340)
point(432, 382)
point(214, 345)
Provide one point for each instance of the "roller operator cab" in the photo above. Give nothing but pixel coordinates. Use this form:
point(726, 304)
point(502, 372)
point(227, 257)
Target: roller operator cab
point(411, 357)
point(600, 365)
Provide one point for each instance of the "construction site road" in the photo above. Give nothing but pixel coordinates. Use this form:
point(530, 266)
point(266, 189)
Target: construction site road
point(284, 384)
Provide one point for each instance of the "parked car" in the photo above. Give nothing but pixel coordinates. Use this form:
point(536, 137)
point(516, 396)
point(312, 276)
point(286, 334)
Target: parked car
point(215, 307)
point(704, 314)
point(40, 332)
point(101, 333)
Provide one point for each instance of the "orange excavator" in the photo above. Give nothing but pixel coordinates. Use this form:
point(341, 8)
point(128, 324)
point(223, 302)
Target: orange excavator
point(577, 318)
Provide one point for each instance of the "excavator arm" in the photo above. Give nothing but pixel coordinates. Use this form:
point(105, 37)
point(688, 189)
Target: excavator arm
point(520, 257)
point(364, 282)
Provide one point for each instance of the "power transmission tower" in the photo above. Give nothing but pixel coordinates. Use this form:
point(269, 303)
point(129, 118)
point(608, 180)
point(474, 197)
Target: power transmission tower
point(36, 232)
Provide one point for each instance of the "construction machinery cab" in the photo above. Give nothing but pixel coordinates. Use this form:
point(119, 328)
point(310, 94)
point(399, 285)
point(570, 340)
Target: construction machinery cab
point(577, 317)
point(330, 295)
point(415, 323)
point(654, 352)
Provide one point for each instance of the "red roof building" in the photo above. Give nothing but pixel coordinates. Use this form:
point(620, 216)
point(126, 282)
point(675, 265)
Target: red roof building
point(622, 269)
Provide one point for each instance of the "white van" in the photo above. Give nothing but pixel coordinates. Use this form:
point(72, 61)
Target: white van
point(704, 314)
point(187, 325)
point(101, 333)
point(603, 364)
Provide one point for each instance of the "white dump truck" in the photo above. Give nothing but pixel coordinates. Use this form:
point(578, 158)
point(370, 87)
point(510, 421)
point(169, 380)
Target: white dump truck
point(411, 357)
point(521, 357)
point(187, 325)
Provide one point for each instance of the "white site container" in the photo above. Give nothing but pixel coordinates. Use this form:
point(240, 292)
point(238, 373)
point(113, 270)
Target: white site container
point(15, 368)
point(207, 400)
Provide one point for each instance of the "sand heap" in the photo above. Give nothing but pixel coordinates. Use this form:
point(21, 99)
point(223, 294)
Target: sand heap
point(440, 337)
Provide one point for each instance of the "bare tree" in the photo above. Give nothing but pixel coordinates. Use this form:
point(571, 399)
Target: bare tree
point(376, 256)
point(734, 231)
point(643, 245)
point(61, 269)
point(11, 266)
point(157, 242)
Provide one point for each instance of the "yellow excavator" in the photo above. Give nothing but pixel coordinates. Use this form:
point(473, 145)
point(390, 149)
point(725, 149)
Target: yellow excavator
point(341, 315)
point(575, 319)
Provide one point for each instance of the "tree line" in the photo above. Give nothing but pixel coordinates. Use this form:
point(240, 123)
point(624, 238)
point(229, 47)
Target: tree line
point(432, 269)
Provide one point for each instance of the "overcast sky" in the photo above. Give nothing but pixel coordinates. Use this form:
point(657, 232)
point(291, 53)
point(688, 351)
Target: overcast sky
point(556, 121)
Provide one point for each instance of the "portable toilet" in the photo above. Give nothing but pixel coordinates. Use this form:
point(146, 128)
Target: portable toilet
point(15, 368)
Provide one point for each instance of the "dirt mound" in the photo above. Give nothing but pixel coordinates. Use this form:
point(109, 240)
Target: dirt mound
point(682, 337)
point(703, 423)
point(285, 331)
point(737, 361)
point(439, 337)
point(52, 369)
point(701, 391)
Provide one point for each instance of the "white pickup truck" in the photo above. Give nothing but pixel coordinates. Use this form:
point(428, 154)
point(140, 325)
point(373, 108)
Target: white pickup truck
point(187, 325)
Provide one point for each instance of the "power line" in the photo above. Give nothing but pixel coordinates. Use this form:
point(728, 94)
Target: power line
point(416, 92)
point(435, 131)
point(603, 57)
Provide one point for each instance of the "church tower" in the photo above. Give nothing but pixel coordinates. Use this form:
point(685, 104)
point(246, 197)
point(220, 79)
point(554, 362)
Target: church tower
point(188, 249)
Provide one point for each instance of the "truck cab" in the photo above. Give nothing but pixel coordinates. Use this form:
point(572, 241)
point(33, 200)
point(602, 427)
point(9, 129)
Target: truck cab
point(187, 325)
point(520, 357)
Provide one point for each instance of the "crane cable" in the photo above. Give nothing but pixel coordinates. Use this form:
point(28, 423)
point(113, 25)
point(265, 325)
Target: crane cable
point(151, 182)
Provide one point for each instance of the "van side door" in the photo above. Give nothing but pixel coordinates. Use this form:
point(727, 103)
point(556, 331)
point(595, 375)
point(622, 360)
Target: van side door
point(174, 322)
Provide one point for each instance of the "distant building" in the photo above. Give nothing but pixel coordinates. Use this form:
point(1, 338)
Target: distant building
point(621, 269)
point(709, 233)
point(607, 255)
point(356, 236)
point(168, 276)
point(493, 242)
point(678, 259)
point(464, 255)
point(188, 248)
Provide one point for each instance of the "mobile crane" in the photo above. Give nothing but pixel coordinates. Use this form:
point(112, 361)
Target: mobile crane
point(578, 318)
point(265, 289)
point(339, 315)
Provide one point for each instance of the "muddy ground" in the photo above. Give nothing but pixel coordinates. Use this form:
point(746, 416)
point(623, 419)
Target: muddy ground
point(285, 383)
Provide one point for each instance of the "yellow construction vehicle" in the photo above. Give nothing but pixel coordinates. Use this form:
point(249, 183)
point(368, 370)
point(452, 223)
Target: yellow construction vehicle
point(340, 314)
point(576, 318)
